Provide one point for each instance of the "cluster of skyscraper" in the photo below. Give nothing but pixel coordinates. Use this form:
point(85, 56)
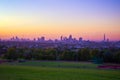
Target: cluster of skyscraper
point(69, 42)
point(42, 39)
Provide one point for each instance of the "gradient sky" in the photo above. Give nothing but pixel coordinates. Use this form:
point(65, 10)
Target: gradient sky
point(89, 19)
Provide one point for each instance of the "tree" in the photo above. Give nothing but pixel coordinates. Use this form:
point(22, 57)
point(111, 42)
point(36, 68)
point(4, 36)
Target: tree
point(94, 53)
point(11, 54)
point(117, 57)
point(84, 54)
point(68, 55)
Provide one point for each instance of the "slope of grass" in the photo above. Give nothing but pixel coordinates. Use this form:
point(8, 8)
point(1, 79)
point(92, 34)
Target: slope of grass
point(36, 71)
point(60, 64)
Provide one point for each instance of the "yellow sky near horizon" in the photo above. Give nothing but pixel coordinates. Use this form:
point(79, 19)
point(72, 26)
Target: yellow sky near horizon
point(89, 19)
point(36, 26)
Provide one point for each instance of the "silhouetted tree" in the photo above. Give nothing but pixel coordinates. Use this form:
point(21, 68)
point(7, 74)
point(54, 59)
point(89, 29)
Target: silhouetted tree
point(11, 54)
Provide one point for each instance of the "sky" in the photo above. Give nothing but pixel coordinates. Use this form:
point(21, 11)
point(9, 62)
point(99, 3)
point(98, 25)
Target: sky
point(90, 19)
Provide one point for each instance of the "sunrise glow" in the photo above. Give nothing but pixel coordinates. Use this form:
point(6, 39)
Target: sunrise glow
point(89, 19)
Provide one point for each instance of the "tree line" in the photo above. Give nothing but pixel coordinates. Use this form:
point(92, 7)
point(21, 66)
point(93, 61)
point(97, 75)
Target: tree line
point(84, 54)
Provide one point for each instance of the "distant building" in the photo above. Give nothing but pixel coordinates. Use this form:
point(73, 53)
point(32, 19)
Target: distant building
point(107, 40)
point(70, 37)
point(34, 39)
point(104, 38)
point(80, 39)
point(42, 38)
point(61, 38)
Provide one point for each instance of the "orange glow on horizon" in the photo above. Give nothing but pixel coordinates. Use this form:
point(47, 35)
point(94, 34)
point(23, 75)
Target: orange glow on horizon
point(80, 18)
point(55, 30)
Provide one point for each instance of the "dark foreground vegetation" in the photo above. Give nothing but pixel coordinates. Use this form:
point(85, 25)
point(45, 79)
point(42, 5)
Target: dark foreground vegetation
point(111, 55)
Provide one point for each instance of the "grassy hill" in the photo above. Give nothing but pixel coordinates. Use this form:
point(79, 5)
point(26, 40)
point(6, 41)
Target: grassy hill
point(50, 70)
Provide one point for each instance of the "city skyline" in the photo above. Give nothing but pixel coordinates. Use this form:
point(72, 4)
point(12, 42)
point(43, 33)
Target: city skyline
point(90, 19)
point(61, 38)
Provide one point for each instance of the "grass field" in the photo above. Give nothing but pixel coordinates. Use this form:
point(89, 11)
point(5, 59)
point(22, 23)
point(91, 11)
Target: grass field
point(50, 70)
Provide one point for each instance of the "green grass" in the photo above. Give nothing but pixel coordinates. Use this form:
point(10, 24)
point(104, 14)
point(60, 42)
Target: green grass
point(60, 64)
point(48, 70)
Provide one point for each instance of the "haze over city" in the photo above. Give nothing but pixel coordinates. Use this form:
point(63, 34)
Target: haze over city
point(59, 39)
point(90, 19)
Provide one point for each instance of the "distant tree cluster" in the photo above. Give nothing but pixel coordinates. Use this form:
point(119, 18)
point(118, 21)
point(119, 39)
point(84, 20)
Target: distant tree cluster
point(84, 54)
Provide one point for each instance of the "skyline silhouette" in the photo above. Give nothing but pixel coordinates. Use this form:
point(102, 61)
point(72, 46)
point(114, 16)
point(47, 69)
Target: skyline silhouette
point(61, 38)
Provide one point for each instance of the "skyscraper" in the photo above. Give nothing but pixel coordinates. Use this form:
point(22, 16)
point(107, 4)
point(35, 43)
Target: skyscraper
point(104, 38)
point(70, 37)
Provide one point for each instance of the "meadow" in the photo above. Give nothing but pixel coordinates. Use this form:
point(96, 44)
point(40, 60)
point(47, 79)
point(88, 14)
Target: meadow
point(52, 70)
